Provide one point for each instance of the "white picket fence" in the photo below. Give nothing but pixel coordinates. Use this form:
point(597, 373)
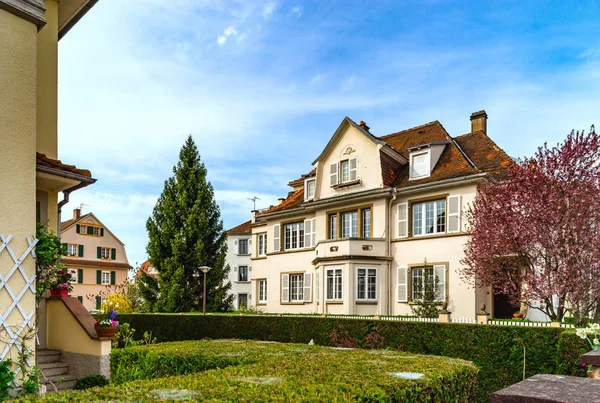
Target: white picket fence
point(409, 319)
point(526, 324)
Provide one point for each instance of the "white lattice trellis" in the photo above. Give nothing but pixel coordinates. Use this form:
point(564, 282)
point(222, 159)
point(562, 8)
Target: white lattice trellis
point(16, 299)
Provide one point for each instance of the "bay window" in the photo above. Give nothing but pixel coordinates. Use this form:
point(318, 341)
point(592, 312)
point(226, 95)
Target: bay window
point(366, 284)
point(350, 224)
point(333, 226)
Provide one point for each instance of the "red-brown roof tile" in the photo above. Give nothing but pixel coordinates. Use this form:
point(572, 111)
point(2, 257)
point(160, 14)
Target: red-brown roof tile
point(42, 160)
point(389, 168)
point(145, 267)
point(300, 180)
point(242, 229)
point(294, 199)
point(485, 154)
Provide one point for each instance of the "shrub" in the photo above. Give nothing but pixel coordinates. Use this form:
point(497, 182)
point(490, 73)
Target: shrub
point(570, 348)
point(492, 348)
point(274, 372)
point(90, 381)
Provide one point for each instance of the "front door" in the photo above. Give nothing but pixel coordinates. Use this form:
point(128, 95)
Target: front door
point(502, 308)
point(242, 301)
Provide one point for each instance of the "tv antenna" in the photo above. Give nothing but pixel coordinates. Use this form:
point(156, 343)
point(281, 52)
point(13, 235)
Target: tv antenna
point(82, 205)
point(254, 199)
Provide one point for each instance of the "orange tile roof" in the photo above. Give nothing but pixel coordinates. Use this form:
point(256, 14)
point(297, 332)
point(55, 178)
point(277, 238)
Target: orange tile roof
point(300, 180)
point(294, 199)
point(145, 267)
point(242, 229)
point(42, 160)
point(485, 154)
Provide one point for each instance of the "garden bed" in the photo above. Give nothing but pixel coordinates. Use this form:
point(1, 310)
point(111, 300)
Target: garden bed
point(254, 371)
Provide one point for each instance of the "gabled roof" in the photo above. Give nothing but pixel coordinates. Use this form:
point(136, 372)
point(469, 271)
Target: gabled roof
point(347, 122)
point(65, 225)
point(242, 229)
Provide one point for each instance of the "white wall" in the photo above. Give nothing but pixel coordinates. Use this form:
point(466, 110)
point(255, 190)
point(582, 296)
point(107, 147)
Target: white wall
point(234, 260)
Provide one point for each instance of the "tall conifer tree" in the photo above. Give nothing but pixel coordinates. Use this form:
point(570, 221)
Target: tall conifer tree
point(186, 232)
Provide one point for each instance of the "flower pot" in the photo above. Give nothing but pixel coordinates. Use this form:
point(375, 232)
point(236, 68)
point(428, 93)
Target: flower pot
point(517, 316)
point(55, 292)
point(106, 331)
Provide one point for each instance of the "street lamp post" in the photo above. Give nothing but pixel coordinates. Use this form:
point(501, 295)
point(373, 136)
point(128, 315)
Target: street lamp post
point(205, 270)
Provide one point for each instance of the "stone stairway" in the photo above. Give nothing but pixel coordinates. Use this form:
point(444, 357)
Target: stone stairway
point(54, 370)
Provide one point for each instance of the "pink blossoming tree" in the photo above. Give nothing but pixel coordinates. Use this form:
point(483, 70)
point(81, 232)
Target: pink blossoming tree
point(536, 235)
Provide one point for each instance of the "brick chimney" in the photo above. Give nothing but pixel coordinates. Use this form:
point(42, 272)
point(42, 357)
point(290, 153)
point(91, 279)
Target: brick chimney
point(479, 121)
point(76, 213)
point(364, 126)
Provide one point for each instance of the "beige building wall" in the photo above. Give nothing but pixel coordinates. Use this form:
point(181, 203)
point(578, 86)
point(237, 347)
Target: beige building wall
point(18, 53)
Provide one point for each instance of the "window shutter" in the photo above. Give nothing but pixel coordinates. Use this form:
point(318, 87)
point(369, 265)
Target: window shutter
point(78, 228)
point(80, 250)
point(454, 208)
point(101, 231)
point(90, 230)
point(402, 281)
point(113, 277)
point(80, 276)
point(66, 247)
point(307, 287)
point(307, 233)
point(276, 238)
point(99, 252)
point(440, 274)
point(98, 276)
point(235, 269)
point(353, 163)
point(402, 218)
point(333, 174)
point(98, 302)
point(285, 288)
point(113, 254)
point(249, 268)
point(80, 299)
point(317, 285)
point(313, 237)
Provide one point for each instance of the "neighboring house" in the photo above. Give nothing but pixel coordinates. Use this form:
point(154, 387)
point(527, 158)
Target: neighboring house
point(31, 180)
point(147, 268)
point(239, 250)
point(373, 219)
point(95, 257)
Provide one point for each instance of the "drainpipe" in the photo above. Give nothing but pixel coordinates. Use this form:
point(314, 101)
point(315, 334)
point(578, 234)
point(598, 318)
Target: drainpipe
point(65, 200)
point(388, 250)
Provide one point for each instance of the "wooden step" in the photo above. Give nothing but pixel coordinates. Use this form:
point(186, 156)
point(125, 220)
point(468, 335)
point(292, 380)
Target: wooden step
point(54, 368)
point(44, 356)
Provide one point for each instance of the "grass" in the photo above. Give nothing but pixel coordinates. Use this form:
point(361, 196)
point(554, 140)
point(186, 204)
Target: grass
point(254, 371)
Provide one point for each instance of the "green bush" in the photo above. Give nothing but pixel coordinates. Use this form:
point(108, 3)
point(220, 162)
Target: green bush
point(91, 381)
point(494, 349)
point(570, 348)
point(251, 371)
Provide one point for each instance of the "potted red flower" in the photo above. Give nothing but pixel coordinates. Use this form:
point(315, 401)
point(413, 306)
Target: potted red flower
point(61, 285)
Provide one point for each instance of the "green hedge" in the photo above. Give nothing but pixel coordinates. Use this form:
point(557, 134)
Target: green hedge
point(496, 350)
point(275, 372)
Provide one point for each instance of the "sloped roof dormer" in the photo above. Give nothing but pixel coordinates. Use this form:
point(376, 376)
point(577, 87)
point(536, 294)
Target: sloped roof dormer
point(424, 157)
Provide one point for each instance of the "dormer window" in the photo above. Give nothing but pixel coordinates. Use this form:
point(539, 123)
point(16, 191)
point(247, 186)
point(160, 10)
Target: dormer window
point(420, 164)
point(309, 189)
point(343, 172)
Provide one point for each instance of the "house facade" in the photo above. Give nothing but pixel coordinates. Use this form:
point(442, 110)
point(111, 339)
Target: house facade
point(239, 252)
point(375, 219)
point(96, 258)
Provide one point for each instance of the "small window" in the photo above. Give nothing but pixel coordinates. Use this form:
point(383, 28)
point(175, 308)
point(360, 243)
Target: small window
point(95, 231)
point(73, 273)
point(105, 277)
point(333, 226)
point(310, 189)
point(243, 247)
point(429, 217)
point(366, 284)
point(293, 236)
point(345, 168)
point(366, 223)
point(262, 291)
point(72, 249)
point(349, 224)
point(419, 165)
point(242, 301)
point(105, 254)
point(262, 244)
point(83, 229)
point(334, 284)
point(243, 274)
point(296, 287)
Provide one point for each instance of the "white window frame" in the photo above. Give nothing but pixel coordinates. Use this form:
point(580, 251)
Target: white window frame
point(102, 254)
point(295, 228)
point(262, 291)
point(317, 284)
point(414, 154)
point(247, 242)
point(307, 194)
point(370, 221)
point(333, 228)
point(73, 273)
point(96, 231)
point(76, 249)
point(296, 281)
point(353, 223)
point(422, 206)
point(437, 271)
point(262, 244)
point(337, 292)
point(83, 229)
point(107, 281)
point(367, 275)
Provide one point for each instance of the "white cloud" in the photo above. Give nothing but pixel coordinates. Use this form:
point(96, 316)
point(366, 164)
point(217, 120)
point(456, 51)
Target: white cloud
point(230, 31)
point(316, 79)
point(297, 11)
point(268, 10)
point(221, 39)
point(242, 37)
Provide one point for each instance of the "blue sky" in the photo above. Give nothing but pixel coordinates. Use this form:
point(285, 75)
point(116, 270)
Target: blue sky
point(261, 86)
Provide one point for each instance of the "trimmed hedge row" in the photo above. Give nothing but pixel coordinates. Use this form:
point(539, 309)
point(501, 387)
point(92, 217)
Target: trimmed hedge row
point(275, 372)
point(496, 350)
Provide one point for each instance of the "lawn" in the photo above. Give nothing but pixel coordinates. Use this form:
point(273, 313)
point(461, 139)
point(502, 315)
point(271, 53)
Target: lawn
point(255, 371)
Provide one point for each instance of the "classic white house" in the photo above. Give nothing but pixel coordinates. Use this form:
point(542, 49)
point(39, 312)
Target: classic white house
point(239, 244)
point(374, 217)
